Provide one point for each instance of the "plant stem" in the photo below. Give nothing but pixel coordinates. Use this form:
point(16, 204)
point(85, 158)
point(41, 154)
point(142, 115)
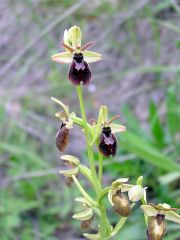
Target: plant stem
point(104, 224)
point(100, 167)
point(97, 186)
point(83, 192)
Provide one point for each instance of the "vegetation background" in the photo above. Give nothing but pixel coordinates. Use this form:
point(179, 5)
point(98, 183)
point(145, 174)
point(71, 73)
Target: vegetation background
point(138, 78)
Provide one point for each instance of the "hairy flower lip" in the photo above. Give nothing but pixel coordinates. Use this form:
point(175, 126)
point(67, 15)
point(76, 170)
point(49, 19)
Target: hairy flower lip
point(152, 210)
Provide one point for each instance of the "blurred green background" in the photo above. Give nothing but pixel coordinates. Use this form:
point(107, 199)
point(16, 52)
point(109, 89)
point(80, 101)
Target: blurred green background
point(138, 79)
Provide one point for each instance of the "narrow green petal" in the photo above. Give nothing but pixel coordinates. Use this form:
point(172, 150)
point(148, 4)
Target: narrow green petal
point(92, 56)
point(64, 57)
point(117, 128)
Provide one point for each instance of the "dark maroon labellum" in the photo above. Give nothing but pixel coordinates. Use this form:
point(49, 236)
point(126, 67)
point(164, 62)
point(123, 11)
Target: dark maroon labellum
point(79, 70)
point(62, 137)
point(156, 227)
point(108, 142)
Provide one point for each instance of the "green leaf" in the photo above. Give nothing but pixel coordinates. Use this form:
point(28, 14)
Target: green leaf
point(173, 110)
point(156, 128)
point(24, 152)
point(147, 152)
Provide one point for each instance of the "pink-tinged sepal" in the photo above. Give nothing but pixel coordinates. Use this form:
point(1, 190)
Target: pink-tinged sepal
point(79, 70)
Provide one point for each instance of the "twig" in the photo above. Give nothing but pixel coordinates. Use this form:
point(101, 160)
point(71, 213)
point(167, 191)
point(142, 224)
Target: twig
point(38, 37)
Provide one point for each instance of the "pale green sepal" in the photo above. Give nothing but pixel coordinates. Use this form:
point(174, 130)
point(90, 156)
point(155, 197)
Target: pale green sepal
point(64, 57)
point(139, 180)
point(120, 180)
point(102, 118)
point(74, 37)
point(71, 159)
point(84, 201)
point(149, 210)
point(92, 56)
point(70, 172)
point(115, 128)
point(85, 215)
point(172, 216)
point(91, 236)
point(136, 193)
point(65, 107)
point(103, 115)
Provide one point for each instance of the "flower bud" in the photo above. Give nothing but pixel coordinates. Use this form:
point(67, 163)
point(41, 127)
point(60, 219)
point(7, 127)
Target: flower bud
point(156, 227)
point(87, 214)
point(62, 137)
point(86, 224)
point(121, 204)
point(71, 160)
point(68, 181)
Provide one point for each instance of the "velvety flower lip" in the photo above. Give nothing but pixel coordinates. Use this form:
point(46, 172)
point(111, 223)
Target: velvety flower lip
point(165, 209)
point(72, 45)
point(103, 121)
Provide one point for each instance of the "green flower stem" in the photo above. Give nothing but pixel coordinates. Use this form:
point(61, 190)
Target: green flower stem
point(144, 202)
point(86, 172)
point(104, 225)
point(97, 186)
point(104, 192)
point(83, 192)
point(100, 167)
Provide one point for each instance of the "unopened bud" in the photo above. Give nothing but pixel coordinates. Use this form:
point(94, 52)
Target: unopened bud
point(156, 227)
point(62, 137)
point(121, 204)
point(85, 215)
point(86, 224)
point(69, 181)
